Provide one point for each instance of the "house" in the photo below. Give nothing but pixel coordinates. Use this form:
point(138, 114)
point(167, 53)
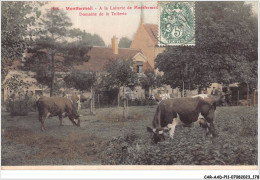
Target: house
point(24, 79)
point(146, 40)
point(100, 58)
point(19, 74)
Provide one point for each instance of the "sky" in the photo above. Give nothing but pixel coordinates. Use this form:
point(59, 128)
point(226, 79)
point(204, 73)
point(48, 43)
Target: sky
point(109, 26)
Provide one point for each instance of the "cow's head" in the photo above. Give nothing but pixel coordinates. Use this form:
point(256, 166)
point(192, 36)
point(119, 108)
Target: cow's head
point(83, 98)
point(158, 133)
point(73, 119)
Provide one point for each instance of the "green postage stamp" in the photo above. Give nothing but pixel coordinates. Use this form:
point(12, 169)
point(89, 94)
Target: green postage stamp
point(176, 23)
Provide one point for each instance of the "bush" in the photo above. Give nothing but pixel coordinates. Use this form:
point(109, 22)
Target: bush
point(142, 102)
point(121, 151)
point(20, 106)
point(249, 127)
point(132, 150)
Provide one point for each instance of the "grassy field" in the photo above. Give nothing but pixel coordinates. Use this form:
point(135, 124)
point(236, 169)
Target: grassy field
point(108, 139)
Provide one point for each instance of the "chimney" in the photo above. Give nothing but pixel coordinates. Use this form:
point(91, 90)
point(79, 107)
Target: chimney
point(114, 45)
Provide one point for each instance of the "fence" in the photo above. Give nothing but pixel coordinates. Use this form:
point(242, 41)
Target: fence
point(102, 101)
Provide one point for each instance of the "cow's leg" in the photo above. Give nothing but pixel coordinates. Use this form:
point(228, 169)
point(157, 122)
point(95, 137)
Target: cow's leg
point(43, 126)
point(79, 105)
point(60, 118)
point(172, 126)
point(42, 119)
point(211, 129)
point(45, 116)
point(210, 118)
point(72, 120)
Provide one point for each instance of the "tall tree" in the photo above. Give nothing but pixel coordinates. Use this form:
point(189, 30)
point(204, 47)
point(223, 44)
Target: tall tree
point(182, 69)
point(91, 40)
point(227, 35)
point(124, 42)
point(16, 20)
point(52, 51)
point(226, 39)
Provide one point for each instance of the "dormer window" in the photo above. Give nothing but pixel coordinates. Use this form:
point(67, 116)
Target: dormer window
point(139, 66)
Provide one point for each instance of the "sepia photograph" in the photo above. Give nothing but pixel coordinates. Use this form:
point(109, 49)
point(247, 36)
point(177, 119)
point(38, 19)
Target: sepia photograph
point(163, 85)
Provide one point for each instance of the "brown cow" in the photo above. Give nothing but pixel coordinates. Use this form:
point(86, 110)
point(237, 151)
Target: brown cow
point(171, 112)
point(56, 106)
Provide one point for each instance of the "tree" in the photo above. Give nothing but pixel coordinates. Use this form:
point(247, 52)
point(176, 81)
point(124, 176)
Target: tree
point(52, 51)
point(17, 18)
point(150, 81)
point(81, 81)
point(15, 83)
point(120, 74)
point(228, 35)
point(89, 39)
point(226, 39)
point(182, 69)
point(124, 42)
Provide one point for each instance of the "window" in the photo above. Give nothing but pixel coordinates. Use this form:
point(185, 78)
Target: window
point(139, 66)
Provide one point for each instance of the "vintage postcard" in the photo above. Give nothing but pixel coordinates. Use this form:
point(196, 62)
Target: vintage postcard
point(150, 85)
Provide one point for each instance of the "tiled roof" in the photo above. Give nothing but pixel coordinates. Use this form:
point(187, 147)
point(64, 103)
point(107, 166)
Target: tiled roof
point(100, 57)
point(152, 30)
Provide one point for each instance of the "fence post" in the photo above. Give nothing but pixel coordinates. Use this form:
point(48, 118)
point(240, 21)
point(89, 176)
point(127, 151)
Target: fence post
point(182, 88)
point(98, 101)
point(92, 102)
point(20, 106)
point(125, 109)
point(91, 105)
point(118, 98)
point(94, 110)
point(247, 94)
point(237, 97)
point(91, 99)
point(254, 97)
